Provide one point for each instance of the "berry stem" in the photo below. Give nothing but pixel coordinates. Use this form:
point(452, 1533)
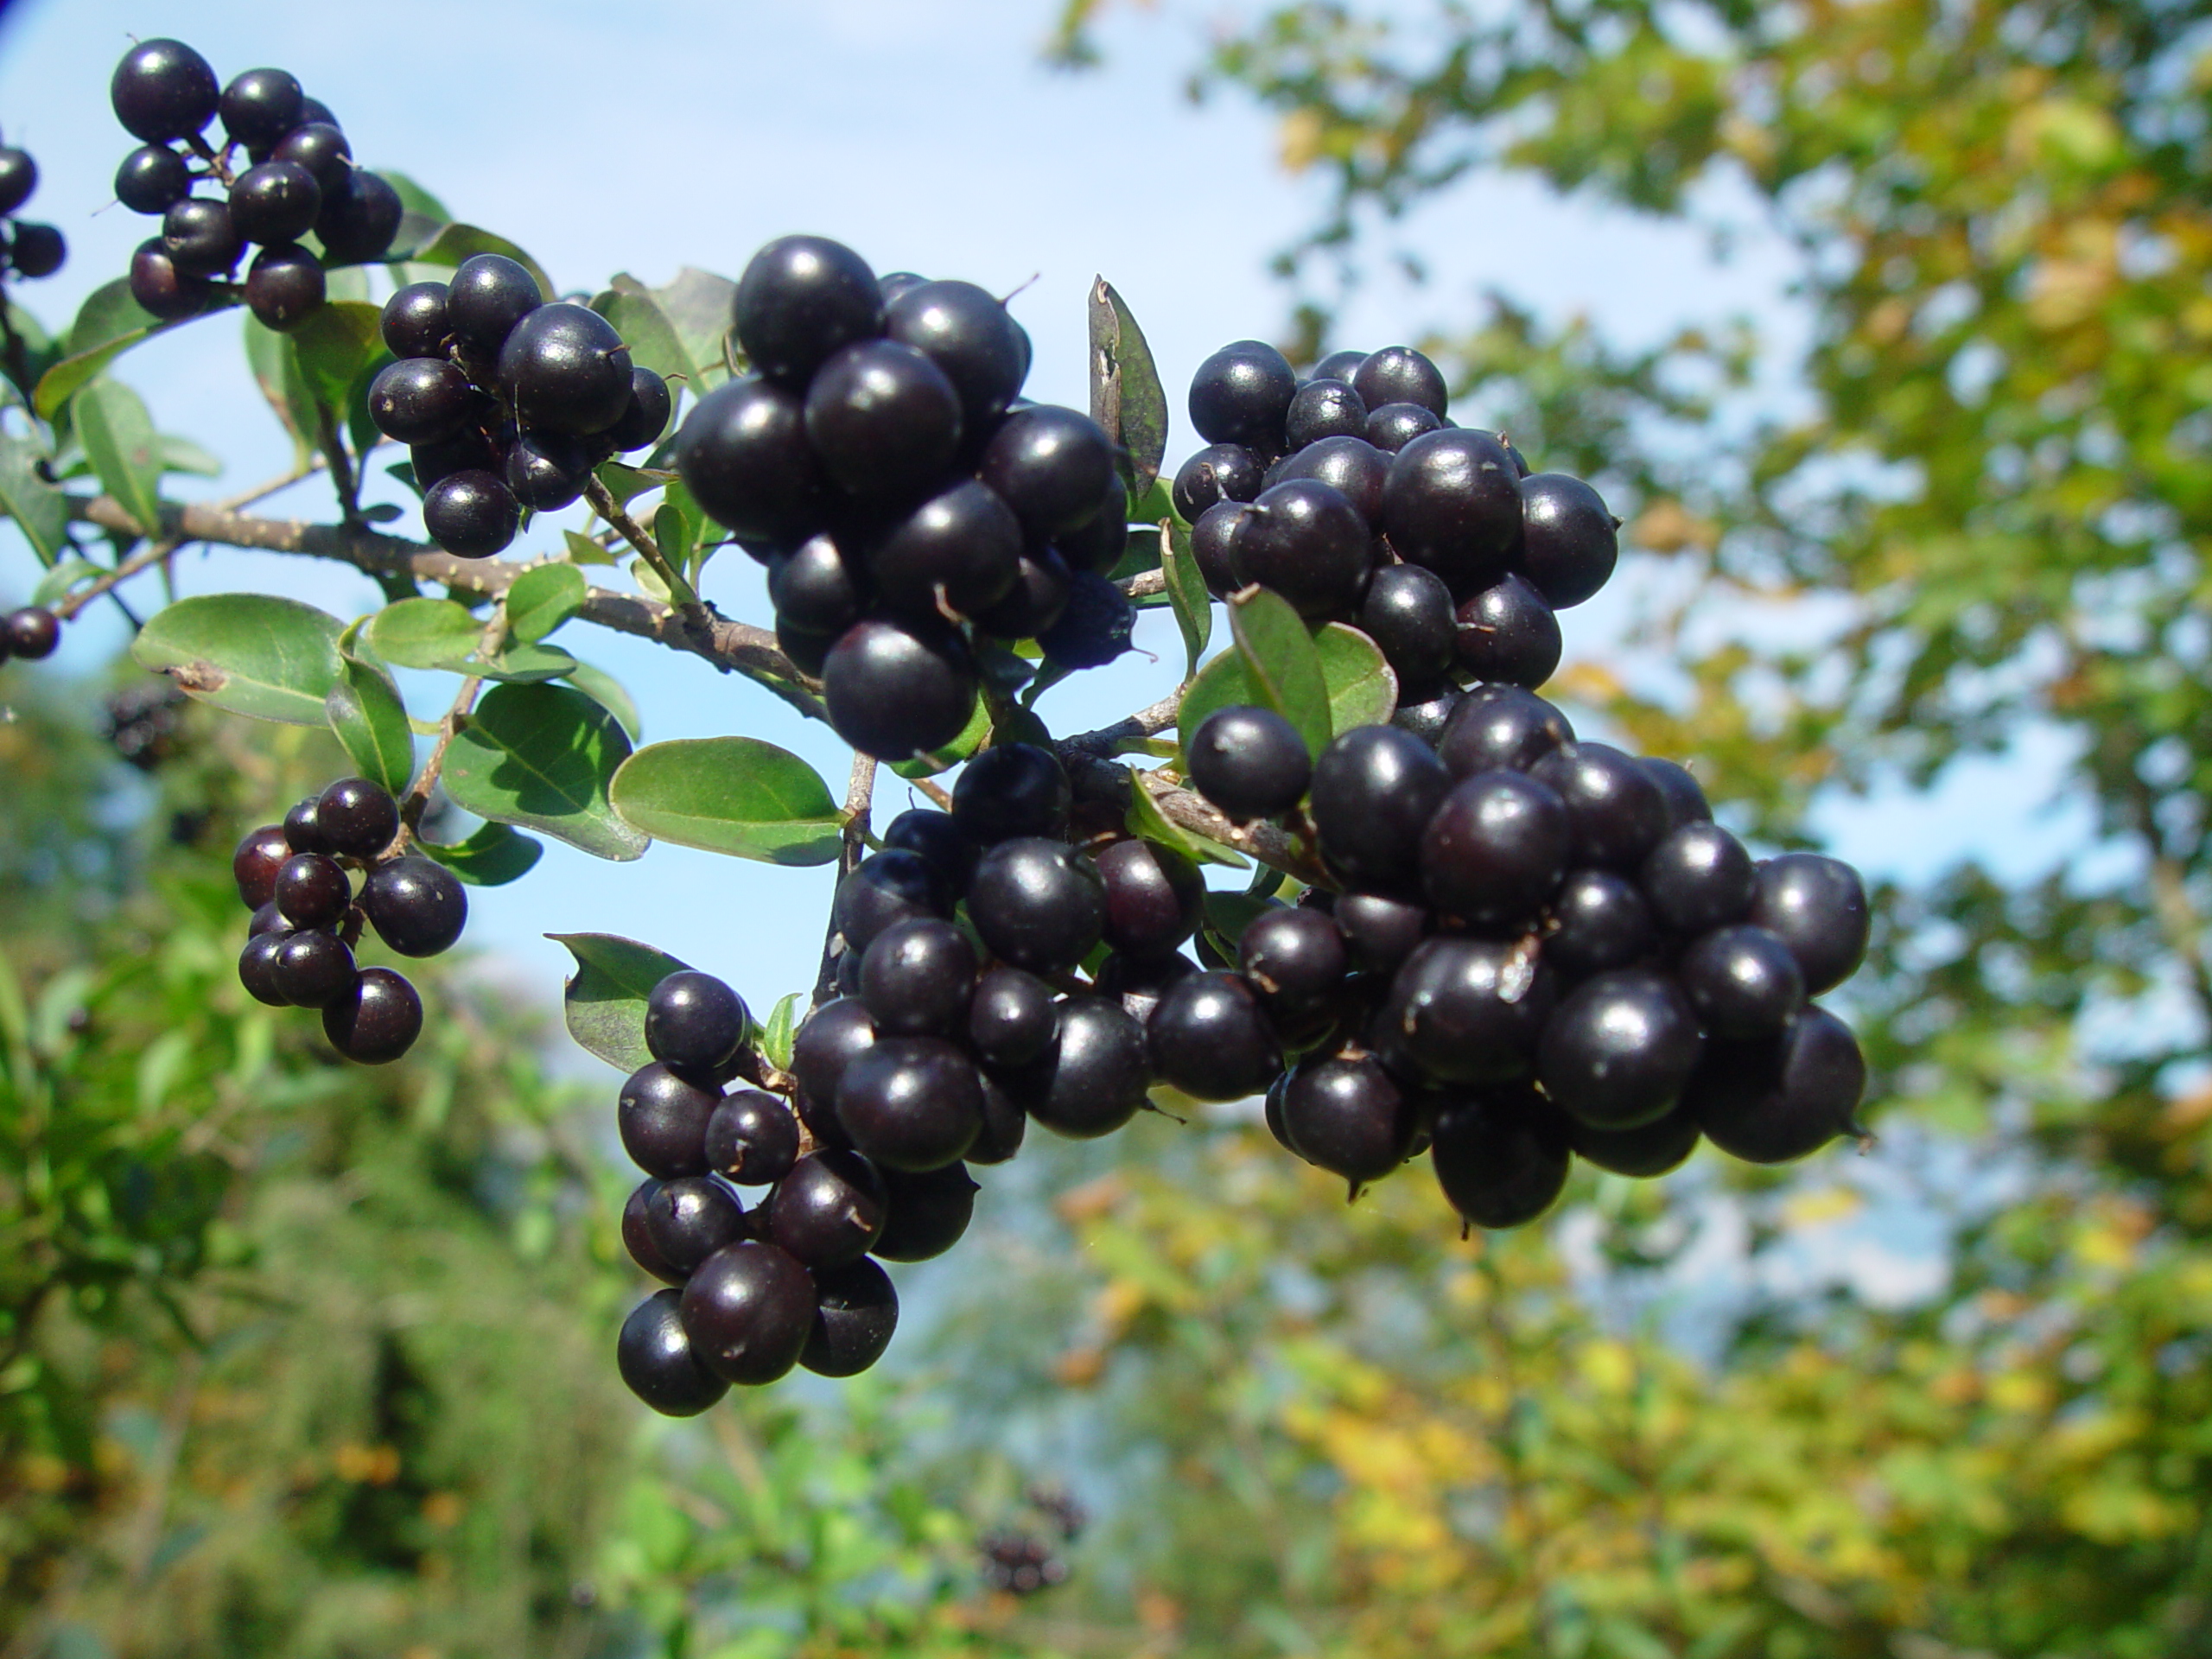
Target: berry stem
point(860, 799)
point(341, 466)
point(604, 504)
point(417, 799)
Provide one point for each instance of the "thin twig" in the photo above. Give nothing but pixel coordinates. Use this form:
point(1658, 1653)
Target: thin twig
point(604, 504)
point(860, 801)
point(1145, 583)
point(736, 647)
point(341, 466)
point(152, 554)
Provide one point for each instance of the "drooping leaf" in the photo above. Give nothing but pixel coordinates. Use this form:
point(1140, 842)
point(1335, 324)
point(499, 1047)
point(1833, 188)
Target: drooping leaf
point(336, 346)
point(1146, 819)
point(248, 653)
point(607, 692)
point(672, 535)
point(40, 510)
point(109, 323)
point(627, 483)
point(1125, 397)
point(424, 634)
point(604, 1001)
point(1280, 664)
point(57, 583)
point(584, 550)
point(1187, 592)
point(732, 795)
point(364, 710)
point(457, 242)
point(276, 372)
point(542, 598)
point(645, 329)
point(776, 1036)
point(180, 454)
point(496, 855)
point(117, 432)
point(542, 757)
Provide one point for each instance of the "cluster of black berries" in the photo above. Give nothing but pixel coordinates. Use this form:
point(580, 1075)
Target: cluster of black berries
point(879, 462)
point(27, 248)
point(145, 724)
point(307, 916)
point(506, 401)
point(1541, 947)
point(30, 633)
point(1021, 1561)
point(1354, 497)
point(299, 178)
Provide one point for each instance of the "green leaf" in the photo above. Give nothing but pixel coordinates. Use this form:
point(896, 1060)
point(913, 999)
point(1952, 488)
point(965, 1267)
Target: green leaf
point(56, 583)
point(337, 345)
point(493, 856)
point(1126, 395)
point(363, 709)
point(698, 540)
point(732, 795)
point(1363, 687)
point(776, 1036)
point(584, 550)
point(457, 242)
point(605, 1000)
point(541, 757)
point(414, 198)
point(179, 455)
point(248, 653)
point(697, 306)
point(607, 692)
point(971, 739)
point(542, 598)
point(1146, 819)
point(1187, 592)
point(118, 433)
point(276, 372)
point(424, 634)
point(672, 535)
point(627, 483)
point(1280, 662)
point(40, 510)
point(109, 323)
point(646, 329)
point(520, 664)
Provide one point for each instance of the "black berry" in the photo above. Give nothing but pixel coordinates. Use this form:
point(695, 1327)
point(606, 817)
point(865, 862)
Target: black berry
point(1599, 922)
point(910, 1103)
point(1495, 848)
point(1616, 811)
point(1374, 790)
point(152, 179)
point(800, 299)
point(276, 201)
point(260, 106)
point(1324, 409)
point(1407, 612)
point(662, 1116)
point(1344, 1113)
point(747, 1313)
point(314, 969)
point(358, 818)
point(414, 321)
point(960, 550)
point(1620, 1049)
point(895, 689)
point(283, 286)
point(1037, 903)
point(689, 1219)
point(163, 90)
point(312, 891)
point(566, 369)
point(1095, 1078)
point(1050, 464)
point(1012, 1018)
point(1496, 726)
point(486, 297)
point(1743, 982)
point(657, 1363)
point(1251, 762)
point(916, 978)
point(1452, 503)
point(376, 1021)
point(1502, 1159)
point(1507, 634)
point(829, 1210)
point(1570, 540)
point(1308, 543)
point(1817, 906)
point(1465, 1011)
point(161, 288)
point(752, 1139)
point(471, 514)
point(1218, 473)
point(1242, 394)
point(966, 332)
point(1399, 374)
point(254, 865)
point(1699, 877)
point(694, 1022)
point(1771, 1102)
point(418, 907)
point(1152, 897)
point(929, 1212)
point(1209, 1037)
point(856, 1311)
point(198, 237)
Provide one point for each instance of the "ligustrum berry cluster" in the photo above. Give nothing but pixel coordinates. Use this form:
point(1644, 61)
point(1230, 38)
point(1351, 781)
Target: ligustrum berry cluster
point(506, 401)
point(27, 248)
point(285, 172)
point(1353, 495)
point(308, 916)
point(906, 502)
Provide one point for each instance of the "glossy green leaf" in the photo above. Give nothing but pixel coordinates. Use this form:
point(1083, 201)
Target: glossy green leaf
point(1360, 687)
point(248, 653)
point(413, 198)
point(542, 757)
point(542, 598)
point(521, 663)
point(604, 1001)
point(496, 855)
point(108, 324)
point(1280, 664)
point(457, 242)
point(646, 329)
point(672, 535)
point(732, 795)
point(698, 535)
point(584, 550)
point(1126, 395)
point(364, 710)
point(276, 372)
point(1187, 592)
point(627, 483)
point(41, 511)
point(609, 693)
point(776, 1036)
point(337, 346)
point(1146, 819)
point(117, 432)
point(424, 633)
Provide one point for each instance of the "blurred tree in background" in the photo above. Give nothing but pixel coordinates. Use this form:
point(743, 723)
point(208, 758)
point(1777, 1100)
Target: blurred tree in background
point(1982, 519)
point(299, 1361)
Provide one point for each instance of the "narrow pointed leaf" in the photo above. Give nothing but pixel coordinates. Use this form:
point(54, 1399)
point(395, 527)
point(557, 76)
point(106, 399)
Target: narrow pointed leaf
point(775, 1037)
point(364, 710)
point(1187, 592)
point(108, 324)
point(248, 654)
point(1126, 395)
point(732, 795)
point(1146, 819)
point(697, 306)
point(541, 757)
point(1284, 669)
point(604, 1001)
point(493, 856)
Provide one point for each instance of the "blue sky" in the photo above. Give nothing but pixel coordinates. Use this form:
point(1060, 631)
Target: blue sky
point(928, 134)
